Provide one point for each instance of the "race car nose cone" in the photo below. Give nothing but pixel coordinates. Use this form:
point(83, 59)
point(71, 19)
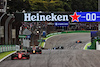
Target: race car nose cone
point(20, 56)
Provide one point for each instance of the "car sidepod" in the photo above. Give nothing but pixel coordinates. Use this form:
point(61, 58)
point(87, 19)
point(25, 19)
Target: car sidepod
point(14, 56)
point(25, 56)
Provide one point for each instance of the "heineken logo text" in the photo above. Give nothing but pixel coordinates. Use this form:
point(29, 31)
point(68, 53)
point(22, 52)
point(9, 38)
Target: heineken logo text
point(38, 17)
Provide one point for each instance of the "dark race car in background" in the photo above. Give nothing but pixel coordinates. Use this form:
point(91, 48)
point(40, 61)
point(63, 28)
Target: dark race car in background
point(38, 51)
point(59, 47)
point(30, 50)
point(20, 55)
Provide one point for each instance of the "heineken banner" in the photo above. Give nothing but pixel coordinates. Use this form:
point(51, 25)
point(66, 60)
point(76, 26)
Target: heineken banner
point(5, 48)
point(28, 17)
point(58, 16)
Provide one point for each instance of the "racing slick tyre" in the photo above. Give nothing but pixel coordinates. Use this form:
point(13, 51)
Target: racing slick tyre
point(41, 53)
point(80, 41)
point(28, 57)
point(12, 58)
point(62, 47)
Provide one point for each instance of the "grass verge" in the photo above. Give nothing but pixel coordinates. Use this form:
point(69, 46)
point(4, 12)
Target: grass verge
point(87, 45)
point(2, 55)
point(42, 44)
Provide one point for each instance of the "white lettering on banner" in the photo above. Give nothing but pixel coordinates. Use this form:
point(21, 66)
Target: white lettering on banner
point(33, 18)
point(65, 18)
point(48, 17)
point(37, 16)
point(42, 18)
point(59, 17)
point(52, 17)
point(27, 17)
point(90, 17)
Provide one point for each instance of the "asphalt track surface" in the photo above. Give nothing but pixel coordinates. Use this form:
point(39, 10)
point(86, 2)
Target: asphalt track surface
point(72, 56)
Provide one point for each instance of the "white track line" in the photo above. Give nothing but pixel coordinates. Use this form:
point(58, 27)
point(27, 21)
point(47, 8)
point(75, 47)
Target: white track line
point(85, 46)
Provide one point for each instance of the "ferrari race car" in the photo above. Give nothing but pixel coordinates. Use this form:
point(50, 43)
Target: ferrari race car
point(59, 47)
point(20, 55)
point(34, 51)
point(78, 41)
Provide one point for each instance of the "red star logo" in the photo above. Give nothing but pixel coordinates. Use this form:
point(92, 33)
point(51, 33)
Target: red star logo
point(75, 17)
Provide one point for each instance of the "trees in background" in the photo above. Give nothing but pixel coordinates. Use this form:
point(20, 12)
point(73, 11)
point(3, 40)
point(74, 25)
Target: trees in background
point(84, 5)
point(53, 5)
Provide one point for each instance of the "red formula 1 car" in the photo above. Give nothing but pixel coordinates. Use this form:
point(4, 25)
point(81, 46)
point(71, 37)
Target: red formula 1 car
point(20, 55)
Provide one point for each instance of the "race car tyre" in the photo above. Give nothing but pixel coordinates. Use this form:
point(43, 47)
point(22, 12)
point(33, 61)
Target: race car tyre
point(41, 53)
point(80, 41)
point(28, 57)
point(62, 47)
point(12, 58)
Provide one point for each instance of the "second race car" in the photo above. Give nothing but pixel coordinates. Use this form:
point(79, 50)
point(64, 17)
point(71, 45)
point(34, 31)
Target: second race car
point(34, 50)
point(78, 41)
point(59, 47)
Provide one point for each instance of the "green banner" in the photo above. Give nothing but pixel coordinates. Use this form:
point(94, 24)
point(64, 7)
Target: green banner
point(22, 36)
point(40, 40)
point(53, 34)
